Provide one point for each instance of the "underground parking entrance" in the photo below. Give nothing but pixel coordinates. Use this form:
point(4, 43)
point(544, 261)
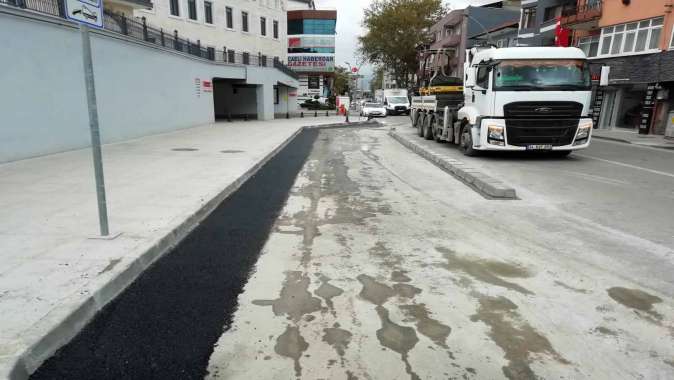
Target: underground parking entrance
point(234, 99)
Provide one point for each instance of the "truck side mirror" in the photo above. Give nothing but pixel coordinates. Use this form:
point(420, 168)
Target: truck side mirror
point(470, 77)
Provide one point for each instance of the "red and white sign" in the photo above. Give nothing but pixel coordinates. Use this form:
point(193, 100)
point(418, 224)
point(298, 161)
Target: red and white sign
point(207, 86)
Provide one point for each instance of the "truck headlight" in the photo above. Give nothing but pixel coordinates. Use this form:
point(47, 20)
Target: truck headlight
point(495, 135)
point(584, 131)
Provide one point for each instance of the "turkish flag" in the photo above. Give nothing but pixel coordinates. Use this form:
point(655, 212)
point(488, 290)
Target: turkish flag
point(562, 35)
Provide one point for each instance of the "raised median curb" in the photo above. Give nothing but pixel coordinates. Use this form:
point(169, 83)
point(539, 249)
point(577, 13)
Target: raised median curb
point(80, 311)
point(485, 185)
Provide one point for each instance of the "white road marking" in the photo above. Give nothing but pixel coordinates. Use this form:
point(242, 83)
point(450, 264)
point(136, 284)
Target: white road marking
point(628, 165)
point(597, 178)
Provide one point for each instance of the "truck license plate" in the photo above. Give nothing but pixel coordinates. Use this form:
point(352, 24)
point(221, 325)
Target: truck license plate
point(539, 147)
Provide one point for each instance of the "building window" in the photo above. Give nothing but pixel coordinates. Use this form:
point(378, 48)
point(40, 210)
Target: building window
point(175, 7)
point(192, 9)
point(275, 29)
point(314, 82)
point(244, 21)
point(263, 26)
point(231, 56)
point(208, 12)
point(246, 58)
point(528, 18)
point(635, 37)
point(229, 17)
point(311, 26)
point(552, 13)
point(276, 95)
point(589, 45)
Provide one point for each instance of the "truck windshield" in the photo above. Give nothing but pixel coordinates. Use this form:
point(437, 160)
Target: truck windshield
point(373, 105)
point(397, 99)
point(542, 75)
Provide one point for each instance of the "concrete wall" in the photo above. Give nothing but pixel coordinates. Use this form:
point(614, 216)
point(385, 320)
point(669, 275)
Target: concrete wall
point(141, 89)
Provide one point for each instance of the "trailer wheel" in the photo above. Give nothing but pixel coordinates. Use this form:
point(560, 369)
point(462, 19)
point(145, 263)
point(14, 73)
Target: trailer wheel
point(420, 125)
point(466, 142)
point(428, 127)
point(437, 131)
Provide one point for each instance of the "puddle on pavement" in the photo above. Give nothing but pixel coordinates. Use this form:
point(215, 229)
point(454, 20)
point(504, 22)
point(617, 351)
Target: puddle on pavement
point(406, 290)
point(605, 331)
point(635, 299)
point(374, 291)
point(295, 300)
point(486, 270)
point(399, 276)
point(328, 291)
point(338, 338)
point(382, 252)
point(514, 336)
point(291, 344)
point(427, 326)
point(398, 338)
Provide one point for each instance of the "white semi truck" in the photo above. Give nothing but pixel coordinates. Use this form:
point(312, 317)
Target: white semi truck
point(512, 99)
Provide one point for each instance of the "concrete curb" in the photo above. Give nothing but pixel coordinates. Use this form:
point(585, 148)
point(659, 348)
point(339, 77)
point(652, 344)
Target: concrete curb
point(657, 146)
point(611, 139)
point(480, 182)
point(84, 310)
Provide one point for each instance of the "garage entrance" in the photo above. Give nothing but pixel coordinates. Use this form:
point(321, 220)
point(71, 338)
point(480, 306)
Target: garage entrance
point(234, 99)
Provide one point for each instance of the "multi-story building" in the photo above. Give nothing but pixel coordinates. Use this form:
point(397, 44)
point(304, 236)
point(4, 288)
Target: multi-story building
point(539, 23)
point(256, 28)
point(455, 33)
point(311, 48)
point(635, 42)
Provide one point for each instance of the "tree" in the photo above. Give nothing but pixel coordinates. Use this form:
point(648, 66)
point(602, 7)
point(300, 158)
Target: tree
point(377, 79)
point(341, 82)
point(394, 29)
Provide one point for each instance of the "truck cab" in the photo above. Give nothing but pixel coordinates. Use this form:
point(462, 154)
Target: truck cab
point(525, 98)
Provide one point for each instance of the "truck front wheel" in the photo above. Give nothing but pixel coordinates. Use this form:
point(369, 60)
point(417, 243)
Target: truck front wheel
point(466, 142)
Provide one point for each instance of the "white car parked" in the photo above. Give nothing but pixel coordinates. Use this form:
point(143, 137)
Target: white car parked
point(373, 110)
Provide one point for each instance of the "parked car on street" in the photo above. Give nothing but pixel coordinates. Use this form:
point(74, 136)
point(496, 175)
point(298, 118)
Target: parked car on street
point(373, 109)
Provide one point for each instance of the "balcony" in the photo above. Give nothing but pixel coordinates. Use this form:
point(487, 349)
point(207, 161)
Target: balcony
point(583, 15)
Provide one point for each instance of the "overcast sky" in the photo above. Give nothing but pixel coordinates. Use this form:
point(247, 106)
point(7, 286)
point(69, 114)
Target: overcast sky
point(349, 19)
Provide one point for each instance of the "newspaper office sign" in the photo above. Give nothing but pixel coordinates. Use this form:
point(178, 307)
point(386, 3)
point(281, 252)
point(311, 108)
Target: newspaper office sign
point(312, 63)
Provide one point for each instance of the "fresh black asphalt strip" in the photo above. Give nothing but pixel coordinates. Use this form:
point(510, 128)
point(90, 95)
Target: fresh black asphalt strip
point(164, 325)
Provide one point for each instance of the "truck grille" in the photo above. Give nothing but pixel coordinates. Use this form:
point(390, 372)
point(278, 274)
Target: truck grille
point(553, 123)
point(400, 108)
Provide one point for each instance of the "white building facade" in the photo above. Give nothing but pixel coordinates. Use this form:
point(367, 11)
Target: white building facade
point(311, 48)
point(256, 27)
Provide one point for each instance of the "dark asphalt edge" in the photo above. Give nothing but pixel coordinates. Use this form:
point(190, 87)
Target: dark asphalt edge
point(488, 187)
point(36, 354)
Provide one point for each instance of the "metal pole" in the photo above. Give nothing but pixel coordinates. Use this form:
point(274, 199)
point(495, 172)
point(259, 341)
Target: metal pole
point(93, 127)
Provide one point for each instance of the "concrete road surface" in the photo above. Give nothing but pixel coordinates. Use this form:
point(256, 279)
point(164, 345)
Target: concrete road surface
point(382, 266)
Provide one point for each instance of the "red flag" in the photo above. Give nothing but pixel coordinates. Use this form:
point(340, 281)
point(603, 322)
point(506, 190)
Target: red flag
point(561, 34)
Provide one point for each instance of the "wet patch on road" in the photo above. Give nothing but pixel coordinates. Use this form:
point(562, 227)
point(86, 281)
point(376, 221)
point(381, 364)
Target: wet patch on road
point(328, 291)
point(295, 300)
point(487, 271)
point(514, 336)
point(605, 331)
point(400, 339)
point(374, 291)
point(427, 326)
point(399, 276)
point(406, 290)
point(338, 338)
point(291, 344)
point(635, 299)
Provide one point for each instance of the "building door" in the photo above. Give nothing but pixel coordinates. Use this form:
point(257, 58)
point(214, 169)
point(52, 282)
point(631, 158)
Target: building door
point(608, 106)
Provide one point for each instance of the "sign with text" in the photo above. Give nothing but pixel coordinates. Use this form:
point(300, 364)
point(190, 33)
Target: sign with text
point(311, 41)
point(88, 12)
point(312, 62)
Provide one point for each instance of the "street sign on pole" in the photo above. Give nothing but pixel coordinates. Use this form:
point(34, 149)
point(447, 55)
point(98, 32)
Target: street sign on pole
point(90, 13)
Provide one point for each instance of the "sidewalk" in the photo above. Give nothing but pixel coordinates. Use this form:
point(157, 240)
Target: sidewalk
point(55, 274)
point(630, 136)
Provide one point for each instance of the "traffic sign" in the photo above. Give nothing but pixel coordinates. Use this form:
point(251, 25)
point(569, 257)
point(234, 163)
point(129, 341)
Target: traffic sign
point(88, 12)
